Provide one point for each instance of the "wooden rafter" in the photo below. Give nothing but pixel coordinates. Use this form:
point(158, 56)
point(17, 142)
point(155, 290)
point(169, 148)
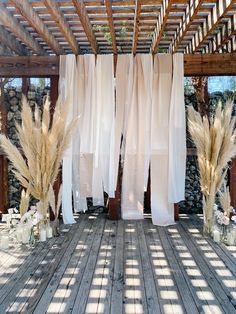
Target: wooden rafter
point(191, 13)
point(136, 24)
point(227, 32)
point(111, 24)
point(161, 23)
point(62, 23)
point(218, 12)
point(84, 19)
point(11, 42)
point(8, 20)
point(27, 11)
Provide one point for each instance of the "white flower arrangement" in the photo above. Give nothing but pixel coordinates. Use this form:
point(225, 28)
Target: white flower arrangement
point(221, 218)
point(31, 218)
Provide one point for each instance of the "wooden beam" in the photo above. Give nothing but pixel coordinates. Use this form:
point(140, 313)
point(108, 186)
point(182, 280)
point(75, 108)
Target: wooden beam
point(59, 18)
point(192, 11)
point(161, 23)
point(11, 42)
point(214, 18)
point(111, 25)
point(136, 24)
point(84, 19)
point(209, 64)
point(194, 65)
point(27, 11)
point(29, 66)
point(8, 20)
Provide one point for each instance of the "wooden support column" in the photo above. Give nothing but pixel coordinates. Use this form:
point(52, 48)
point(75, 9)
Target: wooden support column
point(3, 159)
point(53, 97)
point(114, 204)
point(232, 183)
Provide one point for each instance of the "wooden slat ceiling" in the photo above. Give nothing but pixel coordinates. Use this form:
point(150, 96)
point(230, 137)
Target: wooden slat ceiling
point(49, 27)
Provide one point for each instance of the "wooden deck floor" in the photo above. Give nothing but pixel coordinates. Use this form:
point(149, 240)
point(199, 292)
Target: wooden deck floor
point(102, 266)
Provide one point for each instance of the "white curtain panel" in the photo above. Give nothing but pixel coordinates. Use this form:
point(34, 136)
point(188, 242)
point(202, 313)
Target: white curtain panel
point(136, 159)
point(124, 86)
point(105, 122)
point(80, 204)
point(177, 134)
point(68, 97)
point(162, 210)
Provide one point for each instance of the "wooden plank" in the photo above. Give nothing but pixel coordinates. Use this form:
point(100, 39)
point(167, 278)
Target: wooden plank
point(194, 65)
point(218, 12)
point(56, 276)
point(85, 285)
point(118, 278)
point(20, 274)
point(84, 18)
point(133, 292)
point(69, 284)
point(111, 24)
point(11, 42)
point(162, 273)
point(161, 24)
point(8, 20)
point(192, 10)
point(195, 281)
point(63, 24)
point(219, 248)
point(212, 278)
point(153, 306)
point(27, 11)
point(100, 290)
point(136, 24)
point(185, 294)
point(25, 297)
point(29, 66)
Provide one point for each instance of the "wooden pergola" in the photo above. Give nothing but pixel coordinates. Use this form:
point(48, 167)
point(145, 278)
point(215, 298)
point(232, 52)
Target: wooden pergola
point(130, 26)
point(34, 33)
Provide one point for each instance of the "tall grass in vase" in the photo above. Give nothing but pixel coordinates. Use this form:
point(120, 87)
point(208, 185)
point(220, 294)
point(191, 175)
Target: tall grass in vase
point(215, 142)
point(42, 145)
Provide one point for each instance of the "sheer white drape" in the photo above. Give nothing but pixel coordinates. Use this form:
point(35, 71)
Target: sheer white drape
point(67, 97)
point(148, 115)
point(177, 134)
point(162, 210)
point(105, 124)
point(136, 159)
point(168, 157)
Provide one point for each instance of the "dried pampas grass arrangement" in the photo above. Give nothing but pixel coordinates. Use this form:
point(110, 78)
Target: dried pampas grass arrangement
point(43, 143)
point(216, 146)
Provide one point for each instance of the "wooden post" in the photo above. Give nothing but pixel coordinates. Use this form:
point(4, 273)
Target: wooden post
point(232, 183)
point(53, 97)
point(114, 209)
point(3, 159)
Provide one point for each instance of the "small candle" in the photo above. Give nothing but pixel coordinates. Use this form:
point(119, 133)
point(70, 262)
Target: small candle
point(25, 235)
point(216, 236)
point(42, 235)
point(230, 238)
point(4, 243)
point(49, 232)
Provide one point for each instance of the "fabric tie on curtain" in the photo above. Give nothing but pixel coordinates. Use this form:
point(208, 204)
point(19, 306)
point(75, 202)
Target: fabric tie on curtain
point(177, 134)
point(136, 159)
point(67, 97)
point(162, 210)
